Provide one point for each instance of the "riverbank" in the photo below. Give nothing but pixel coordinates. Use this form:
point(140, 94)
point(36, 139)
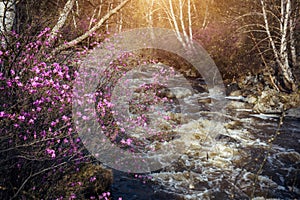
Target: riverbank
point(261, 95)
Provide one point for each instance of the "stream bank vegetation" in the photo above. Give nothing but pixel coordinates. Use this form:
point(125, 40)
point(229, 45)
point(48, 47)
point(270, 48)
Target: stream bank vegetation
point(255, 44)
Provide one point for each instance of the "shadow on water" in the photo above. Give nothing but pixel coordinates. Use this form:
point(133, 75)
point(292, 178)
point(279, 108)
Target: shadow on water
point(130, 188)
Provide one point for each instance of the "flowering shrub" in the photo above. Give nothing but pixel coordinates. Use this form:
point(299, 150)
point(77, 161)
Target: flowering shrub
point(145, 119)
point(38, 143)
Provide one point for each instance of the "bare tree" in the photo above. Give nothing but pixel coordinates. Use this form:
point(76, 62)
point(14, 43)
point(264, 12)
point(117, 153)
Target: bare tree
point(205, 20)
point(186, 16)
point(175, 11)
point(280, 30)
point(101, 21)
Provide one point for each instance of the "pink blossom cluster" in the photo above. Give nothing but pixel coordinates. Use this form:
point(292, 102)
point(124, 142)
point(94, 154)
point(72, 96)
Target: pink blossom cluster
point(36, 128)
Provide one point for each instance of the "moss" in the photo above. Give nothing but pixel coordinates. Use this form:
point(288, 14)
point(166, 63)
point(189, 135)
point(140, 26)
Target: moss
point(90, 180)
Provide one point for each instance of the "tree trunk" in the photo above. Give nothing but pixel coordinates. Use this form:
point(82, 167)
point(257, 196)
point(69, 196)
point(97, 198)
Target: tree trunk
point(280, 47)
point(7, 15)
point(93, 29)
point(62, 17)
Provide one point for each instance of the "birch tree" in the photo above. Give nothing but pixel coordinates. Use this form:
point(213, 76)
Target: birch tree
point(7, 15)
point(99, 23)
point(68, 18)
point(179, 16)
point(279, 27)
point(205, 20)
point(62, 17)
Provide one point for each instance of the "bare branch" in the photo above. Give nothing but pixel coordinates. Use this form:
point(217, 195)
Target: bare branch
point(190, 20)
point(272, 79)
point(42, 171)
point(62, 17)
point(92, 30)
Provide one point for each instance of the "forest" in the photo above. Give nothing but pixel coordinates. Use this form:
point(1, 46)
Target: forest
point(149, 99)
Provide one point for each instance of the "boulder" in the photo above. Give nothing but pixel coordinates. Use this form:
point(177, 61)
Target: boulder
point(269, 102)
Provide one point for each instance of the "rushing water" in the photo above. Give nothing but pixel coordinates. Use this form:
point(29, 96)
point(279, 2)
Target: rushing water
point(249, 156)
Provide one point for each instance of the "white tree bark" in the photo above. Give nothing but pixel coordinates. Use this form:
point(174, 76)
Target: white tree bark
point(267, 28)
point(62, 17)
point(149, 13)
point(7, 15)
point(178, 21)
point(174, 21)
point(149, 17)
point(109, 7)
point(190, 20)
point(182, 21)
point(93, 29)
point(285, 31)
point(120, 22)
point(292, 27)
point(205, 20)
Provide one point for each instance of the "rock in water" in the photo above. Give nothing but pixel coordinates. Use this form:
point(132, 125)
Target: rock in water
point(293, 112)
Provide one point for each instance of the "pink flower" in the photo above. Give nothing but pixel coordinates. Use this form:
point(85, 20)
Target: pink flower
point(65, 86)
point(31, 121)
point(51, 152)
point(92, 179)
point(61, 74)
point(19, 84)
point(9, 83)
point(21, 117)
point(167, 117)
point(85, 117)
point(123, 141)
point(73, 196)
point(36, 69)
point(65, 118)
point(34, 84)
point(56, 65)
point(128, 141)
point(109, 104)
point(106, 194)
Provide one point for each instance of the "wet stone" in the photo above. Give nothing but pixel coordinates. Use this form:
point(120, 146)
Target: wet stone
point(227, 139)
point(219, 195)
